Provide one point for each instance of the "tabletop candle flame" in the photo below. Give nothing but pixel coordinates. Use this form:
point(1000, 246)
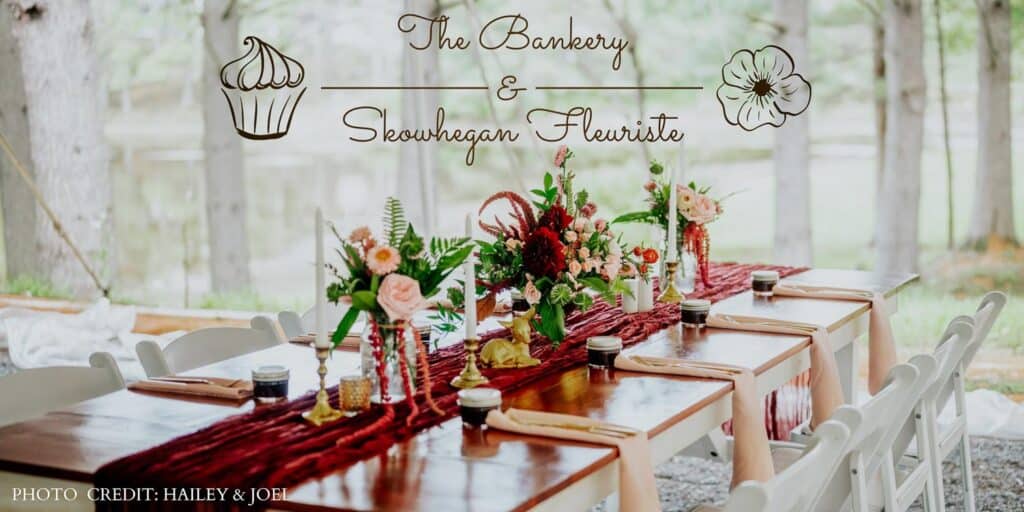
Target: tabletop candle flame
point(470, 284)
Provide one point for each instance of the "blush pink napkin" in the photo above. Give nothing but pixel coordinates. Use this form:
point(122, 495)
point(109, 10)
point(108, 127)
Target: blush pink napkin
point(881, 343)
point(752, 456)
point(225, 389)
point(637, 490)
point(826, 390)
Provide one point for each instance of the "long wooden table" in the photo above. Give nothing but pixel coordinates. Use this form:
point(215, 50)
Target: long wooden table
point(449, 467)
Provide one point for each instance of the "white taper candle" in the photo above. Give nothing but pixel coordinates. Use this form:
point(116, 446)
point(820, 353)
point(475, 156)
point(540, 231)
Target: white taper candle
point(470, 290)
point(321, 288)
point(673, 214)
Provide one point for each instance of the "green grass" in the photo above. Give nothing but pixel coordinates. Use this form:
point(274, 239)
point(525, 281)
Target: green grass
point(33, 287)
point(925, 310)
point(247, 301)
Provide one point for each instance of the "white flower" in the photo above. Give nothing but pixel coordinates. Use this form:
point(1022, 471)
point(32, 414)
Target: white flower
point(761, 88)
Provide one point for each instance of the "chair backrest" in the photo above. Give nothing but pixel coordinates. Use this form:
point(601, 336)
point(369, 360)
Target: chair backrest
point(796, 487)
point(202, 347)
point(984, 317)
point(883, 416)
point(949, 354)
point(36, 391)
point(294, 324)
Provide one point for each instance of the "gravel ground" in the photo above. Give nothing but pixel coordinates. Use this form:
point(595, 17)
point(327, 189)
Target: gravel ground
point(685, 482)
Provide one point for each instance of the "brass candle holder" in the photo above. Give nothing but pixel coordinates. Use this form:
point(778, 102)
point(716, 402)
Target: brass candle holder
point(470, 376)
point(669, 294)
point(322, 412)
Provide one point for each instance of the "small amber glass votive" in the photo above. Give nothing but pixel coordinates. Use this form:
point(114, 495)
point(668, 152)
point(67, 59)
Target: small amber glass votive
point(355, 394)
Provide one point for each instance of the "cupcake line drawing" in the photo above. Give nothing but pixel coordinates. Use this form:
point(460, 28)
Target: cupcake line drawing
point(262, 88)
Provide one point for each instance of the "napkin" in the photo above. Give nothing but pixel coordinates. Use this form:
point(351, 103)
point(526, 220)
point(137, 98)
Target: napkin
point(637, 490)
point(826, 391)
point(227, 389)
point(752, 456)
point(881, 345)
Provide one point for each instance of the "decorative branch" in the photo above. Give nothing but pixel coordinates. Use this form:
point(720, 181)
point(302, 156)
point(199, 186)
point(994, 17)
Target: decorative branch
point(944, 101)
point(57, 226)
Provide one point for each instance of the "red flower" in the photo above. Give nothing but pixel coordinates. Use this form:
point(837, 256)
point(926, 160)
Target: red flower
point(638, 251)
point(650, 255)
point(556, 219)
point(543, 253)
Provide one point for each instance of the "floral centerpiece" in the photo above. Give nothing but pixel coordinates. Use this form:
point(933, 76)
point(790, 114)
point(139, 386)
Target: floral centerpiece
point(390, 279)
point(553, 250)
point(695, 210)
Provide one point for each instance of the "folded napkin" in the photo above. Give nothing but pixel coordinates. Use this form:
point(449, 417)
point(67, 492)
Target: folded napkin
point(752, 456)
point(881, 345)
point(637, 490)
point(826, 391)
point(227, 389)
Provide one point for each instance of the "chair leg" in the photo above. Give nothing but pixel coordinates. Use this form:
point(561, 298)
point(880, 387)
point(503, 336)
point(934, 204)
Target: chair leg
point(965, 472)
point(928, 447)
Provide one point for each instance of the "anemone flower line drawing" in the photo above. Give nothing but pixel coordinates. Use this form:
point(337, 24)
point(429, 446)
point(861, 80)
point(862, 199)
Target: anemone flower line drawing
point(761, 88)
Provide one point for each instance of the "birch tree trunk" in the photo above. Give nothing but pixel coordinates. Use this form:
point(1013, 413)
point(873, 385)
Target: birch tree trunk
point(222, 148)
point(417, 171)
point(896, 222)
point(878, 76)
point(792, 176)
point(51, 113)
point(992, 214)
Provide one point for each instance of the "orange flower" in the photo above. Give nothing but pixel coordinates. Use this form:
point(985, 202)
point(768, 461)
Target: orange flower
point(650, 255)
point(383, 260)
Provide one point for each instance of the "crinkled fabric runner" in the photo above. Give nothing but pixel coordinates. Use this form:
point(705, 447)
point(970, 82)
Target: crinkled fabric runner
point(272, 447)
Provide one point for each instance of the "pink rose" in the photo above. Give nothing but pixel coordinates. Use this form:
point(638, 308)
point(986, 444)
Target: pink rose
point(560, 155)
point(531, 293)
point(579, 225)
point(400, 297)
point(584, 253)
point(575, 268)
point(600, 225)
point(571, 236)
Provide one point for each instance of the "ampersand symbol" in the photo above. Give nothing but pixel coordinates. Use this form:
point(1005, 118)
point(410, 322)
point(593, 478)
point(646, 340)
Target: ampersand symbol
point(506, 92)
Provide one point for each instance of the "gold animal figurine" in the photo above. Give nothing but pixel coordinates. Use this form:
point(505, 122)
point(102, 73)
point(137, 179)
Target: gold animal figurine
point(515, 353)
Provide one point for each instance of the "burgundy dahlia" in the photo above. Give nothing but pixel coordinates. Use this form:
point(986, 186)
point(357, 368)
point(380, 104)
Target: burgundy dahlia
point(556, 219)
point(543, 253)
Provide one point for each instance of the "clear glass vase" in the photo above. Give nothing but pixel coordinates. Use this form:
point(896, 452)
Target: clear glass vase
point(391, 369)
point(686, 275)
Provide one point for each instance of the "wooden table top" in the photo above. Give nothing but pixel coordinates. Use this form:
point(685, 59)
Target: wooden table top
point(446, 467)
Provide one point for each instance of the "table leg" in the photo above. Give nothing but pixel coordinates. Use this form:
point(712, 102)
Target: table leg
point(846, 358)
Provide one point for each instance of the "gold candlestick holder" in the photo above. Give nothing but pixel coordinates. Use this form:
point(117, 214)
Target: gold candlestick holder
point(470, 376)
point(322, 412)
point(669, 294)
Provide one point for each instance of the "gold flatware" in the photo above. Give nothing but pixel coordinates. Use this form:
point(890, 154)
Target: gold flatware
point(685, 363)
point(605, 429)
point(182, 380)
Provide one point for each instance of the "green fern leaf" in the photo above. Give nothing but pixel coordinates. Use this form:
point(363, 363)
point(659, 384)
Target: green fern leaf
point(394, 221)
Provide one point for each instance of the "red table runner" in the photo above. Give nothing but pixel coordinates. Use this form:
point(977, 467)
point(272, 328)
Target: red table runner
point(272, 447)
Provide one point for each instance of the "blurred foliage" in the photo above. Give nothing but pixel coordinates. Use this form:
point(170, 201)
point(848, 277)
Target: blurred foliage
point(33, 287)
point(248, 301)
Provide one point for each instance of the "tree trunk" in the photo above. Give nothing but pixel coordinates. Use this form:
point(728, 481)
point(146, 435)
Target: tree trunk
point(222, 148)
point(417, 171)
point(896, 222)
point(51, 113)
point(878, 75)
point(792, 176)
point(992, 215)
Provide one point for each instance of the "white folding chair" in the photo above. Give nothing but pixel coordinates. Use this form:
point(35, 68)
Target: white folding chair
point(203, 347)
point(795, 486)
point(954, 353)
point(295, 325)
point(36, 391)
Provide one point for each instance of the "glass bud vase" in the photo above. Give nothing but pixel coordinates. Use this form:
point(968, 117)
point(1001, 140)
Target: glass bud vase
point(386, 366)
point(686, 275)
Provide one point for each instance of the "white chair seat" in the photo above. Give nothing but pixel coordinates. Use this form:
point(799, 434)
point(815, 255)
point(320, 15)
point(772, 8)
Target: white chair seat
point(206, 346)
point(34, 392)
